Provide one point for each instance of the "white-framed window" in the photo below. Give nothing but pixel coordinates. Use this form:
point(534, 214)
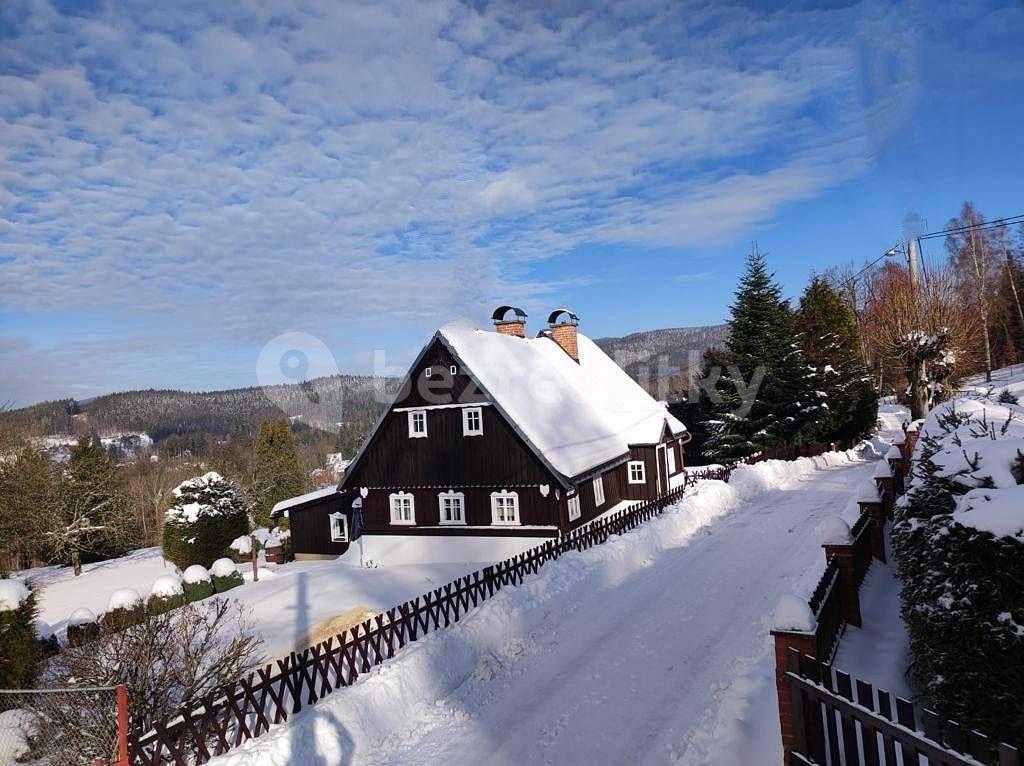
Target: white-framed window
point(637, 472)
point(599, 491)
point(454, 370)
point(403, 508)
point(417, 424)
point(452, 507)
point(472, 421)
point(505, 508)
point(670, 458)
point(339, 528)
point(574, 507)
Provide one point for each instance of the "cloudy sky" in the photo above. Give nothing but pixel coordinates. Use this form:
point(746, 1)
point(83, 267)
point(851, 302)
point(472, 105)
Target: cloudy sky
point(182, 183)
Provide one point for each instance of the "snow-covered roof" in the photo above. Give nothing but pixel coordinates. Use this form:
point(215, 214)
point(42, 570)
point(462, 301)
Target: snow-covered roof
point(577, 415)
point(291, 502)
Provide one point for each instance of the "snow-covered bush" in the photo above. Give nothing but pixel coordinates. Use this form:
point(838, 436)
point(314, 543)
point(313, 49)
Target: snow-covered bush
point(82, 626)
point(958, 537)
point(167, 593)
point(21, 651)
point(123, 609)
point(225, 575)
point(207, 514)
point(197, 583)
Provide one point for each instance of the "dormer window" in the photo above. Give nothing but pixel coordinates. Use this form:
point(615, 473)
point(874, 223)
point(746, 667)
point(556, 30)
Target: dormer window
point(418, 424)
point(472, 421)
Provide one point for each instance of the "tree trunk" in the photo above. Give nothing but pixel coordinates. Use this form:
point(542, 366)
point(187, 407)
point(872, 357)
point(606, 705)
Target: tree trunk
point(983, 305)
point(76, 562)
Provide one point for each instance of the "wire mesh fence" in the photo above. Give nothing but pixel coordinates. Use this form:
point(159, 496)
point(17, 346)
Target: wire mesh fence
point(59, 727)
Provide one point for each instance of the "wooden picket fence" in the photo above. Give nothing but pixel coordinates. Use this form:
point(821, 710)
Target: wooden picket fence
point(843, 721)
point(247, 708)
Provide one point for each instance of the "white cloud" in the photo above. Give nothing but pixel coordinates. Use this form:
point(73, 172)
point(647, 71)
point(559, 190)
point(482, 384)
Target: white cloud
point(241, 170)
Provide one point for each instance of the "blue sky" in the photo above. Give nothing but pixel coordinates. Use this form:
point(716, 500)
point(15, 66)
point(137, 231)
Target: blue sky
point(182, 183)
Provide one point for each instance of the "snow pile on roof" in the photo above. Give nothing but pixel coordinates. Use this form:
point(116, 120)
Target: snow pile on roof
point(196, 573)
point(223, 568)
point(1000, 512)
point(835, 531)
point(578, 415)
point(124, 598)
point(793, 614)
point(12, 594)
point(291, 502)
point(167, 586)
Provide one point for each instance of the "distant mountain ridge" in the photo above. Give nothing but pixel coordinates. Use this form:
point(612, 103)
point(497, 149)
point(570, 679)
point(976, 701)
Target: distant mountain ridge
point(664, 361)
point(660, 360)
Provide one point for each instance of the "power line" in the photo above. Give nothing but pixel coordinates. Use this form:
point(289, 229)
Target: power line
point(997, 223)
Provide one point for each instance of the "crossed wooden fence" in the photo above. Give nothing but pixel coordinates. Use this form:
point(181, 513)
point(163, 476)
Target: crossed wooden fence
point(841, 720)
point(247, 708)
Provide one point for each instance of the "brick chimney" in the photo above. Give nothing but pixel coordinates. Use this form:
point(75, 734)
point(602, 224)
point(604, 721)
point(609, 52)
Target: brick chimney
point(516, 325)
point(562, 324)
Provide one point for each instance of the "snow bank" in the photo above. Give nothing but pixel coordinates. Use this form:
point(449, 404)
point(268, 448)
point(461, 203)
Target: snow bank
point(403, 550)
point(124, 598)
point(263, 572)
point(223, 568)
point(835, 531)
point(167, 586)
point(12, 594)
point(195, 574)
point(792, 613)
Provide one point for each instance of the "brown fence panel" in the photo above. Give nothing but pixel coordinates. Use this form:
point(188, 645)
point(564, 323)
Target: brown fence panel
point(847, 721)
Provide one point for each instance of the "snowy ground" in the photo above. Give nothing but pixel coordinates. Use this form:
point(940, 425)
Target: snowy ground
point(879, 651)
point(284, 605)
point(652, 648)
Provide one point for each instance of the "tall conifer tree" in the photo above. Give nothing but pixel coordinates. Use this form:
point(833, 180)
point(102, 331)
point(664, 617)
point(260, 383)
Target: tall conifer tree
point(277, 474)
point(765, 389)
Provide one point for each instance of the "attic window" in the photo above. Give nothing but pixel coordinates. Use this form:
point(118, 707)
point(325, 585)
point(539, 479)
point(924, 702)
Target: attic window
point(427, 372)
point(472, 421)
point(418, 424)
point(454, 370)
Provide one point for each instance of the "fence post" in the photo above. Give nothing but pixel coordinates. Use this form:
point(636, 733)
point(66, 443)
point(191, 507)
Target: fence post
point(876, 511)
point(122, 725)
point(849, 597)
point(789, 714)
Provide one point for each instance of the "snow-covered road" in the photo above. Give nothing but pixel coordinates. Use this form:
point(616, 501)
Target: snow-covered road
point(622, 654)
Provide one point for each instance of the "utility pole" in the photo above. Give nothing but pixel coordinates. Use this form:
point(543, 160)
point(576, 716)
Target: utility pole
point(915, 269)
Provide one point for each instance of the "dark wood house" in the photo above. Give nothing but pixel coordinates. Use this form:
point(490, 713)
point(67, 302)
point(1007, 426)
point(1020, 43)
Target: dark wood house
point(495, 439)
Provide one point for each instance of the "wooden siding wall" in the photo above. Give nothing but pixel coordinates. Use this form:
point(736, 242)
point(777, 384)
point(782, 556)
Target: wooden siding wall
point(311, 529)
point(534, 510)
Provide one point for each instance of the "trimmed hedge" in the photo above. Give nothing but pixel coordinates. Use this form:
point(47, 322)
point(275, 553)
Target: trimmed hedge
point(962, 600)
point(226, 583)
point(199, 590)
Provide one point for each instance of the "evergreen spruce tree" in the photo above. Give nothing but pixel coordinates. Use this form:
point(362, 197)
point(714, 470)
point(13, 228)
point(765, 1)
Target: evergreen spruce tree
point(93, 520)
point(277, 474)
point(828, 332)
point(207, 514)
point(765, 390)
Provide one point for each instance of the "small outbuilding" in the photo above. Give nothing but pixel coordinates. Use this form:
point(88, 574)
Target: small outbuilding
point(323, 523)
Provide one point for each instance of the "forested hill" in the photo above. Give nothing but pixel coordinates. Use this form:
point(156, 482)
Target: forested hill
point(340, 402)
point(663, 361)
point(351, 400)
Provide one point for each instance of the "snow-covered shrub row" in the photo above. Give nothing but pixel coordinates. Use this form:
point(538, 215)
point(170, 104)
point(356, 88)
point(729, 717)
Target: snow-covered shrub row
point(225, 575)
point(207, 514)
point(958, 537)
